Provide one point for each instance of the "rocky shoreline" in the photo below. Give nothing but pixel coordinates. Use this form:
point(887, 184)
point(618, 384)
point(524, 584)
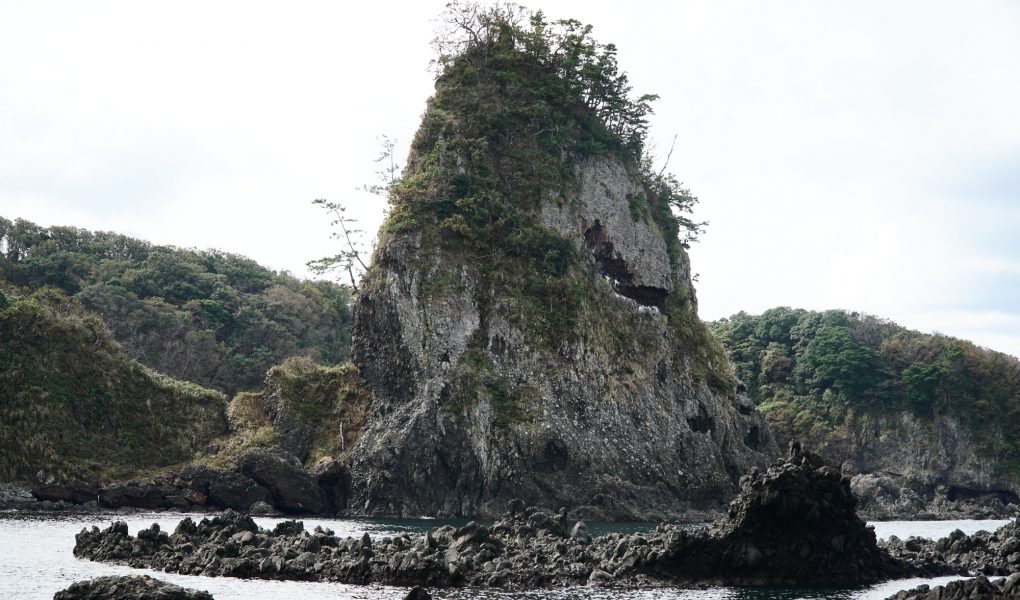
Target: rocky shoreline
point(773, 535)
point(272, 482)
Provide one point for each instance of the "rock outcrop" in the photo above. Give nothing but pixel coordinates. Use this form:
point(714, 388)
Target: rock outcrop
point(978, 588)
point(128, 587)
point(995, 553)
point(528, 326)
point(791, 525)
point(883, 498)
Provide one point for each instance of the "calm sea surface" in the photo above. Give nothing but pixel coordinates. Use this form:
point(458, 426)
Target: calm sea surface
point(36, 562)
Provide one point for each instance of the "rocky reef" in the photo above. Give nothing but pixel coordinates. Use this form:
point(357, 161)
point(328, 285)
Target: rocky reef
point(995, 553)
point(792, 524)
point(128, 587)
point(978, 588)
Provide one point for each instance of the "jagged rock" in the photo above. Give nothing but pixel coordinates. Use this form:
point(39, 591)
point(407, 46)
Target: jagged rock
point(580, 533)
point(334, 481)
point(129, 587)
point(418, 593)
point(978, 588)
point(795, 523)
point(293, 488)
point(996, 553)
point(791, 525)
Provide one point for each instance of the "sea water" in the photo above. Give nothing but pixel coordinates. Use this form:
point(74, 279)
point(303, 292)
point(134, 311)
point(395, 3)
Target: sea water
point(36, 561)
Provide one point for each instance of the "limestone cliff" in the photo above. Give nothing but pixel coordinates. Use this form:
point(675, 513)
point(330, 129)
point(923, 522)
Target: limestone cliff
point(528, 325)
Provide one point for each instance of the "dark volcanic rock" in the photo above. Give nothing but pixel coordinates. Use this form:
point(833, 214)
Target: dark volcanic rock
point(418, 593)
point(978, 588)
point(139, 495)
point(793, 524)
point(75, 492)
point(293, 488)
point(996, 553)
point(224, 489)
point(131, 587)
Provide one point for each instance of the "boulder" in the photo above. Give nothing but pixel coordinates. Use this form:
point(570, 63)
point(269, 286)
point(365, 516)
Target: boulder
point(130, 587)
point(75, 492)
point(293, 488)
point(224, 489)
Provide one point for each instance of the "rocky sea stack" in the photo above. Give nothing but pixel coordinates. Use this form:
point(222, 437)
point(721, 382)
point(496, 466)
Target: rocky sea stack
point(528, 325)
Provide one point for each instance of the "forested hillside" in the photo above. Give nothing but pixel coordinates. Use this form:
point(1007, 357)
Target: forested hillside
point(210, 317)
point(827, 377)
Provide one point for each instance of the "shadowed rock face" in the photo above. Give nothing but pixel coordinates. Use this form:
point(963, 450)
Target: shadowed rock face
point(794, 523)
point(613, 423)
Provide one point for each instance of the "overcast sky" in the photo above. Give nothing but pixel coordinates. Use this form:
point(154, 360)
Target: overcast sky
point(858, 155)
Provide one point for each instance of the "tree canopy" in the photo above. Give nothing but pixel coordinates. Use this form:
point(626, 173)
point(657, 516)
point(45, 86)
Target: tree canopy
point(210, 317)
point(814, 373)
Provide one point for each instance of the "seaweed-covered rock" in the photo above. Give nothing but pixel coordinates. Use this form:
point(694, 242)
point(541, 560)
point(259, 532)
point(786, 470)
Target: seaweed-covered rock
point(129, 587)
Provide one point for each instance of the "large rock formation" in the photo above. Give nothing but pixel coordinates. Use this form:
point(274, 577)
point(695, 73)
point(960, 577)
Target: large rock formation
point(528, 325)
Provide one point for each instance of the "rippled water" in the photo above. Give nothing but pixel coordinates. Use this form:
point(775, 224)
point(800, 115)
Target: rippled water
point(36, 561)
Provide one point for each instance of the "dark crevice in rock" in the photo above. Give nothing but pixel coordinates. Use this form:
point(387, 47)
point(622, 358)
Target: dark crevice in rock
point(702, 423)
point(615, 268)
point(753, 437)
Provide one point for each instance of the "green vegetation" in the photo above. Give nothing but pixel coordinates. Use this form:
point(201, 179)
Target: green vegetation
point(519, 102)
point(818, 375)
point(73, 404)
point(213, 318)
point(324, 407)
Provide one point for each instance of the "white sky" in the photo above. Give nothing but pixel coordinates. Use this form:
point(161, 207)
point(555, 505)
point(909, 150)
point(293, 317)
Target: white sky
point(861, 155)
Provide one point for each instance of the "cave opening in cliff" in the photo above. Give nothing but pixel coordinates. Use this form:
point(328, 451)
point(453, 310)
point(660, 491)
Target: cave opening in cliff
point(615, 269)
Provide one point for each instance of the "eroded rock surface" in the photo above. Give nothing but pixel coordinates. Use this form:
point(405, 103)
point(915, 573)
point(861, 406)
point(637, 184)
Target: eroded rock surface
point(978, 588)
point(995, 553)
point(471, 407)
point(129, 587)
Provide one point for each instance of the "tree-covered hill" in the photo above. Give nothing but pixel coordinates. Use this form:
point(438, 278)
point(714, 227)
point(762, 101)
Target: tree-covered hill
point(833, 379)
point(210, 317)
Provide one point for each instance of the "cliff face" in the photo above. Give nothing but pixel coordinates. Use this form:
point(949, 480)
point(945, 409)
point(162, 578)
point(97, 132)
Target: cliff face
point(471, 410)
point(923, 420)
point(936, 460)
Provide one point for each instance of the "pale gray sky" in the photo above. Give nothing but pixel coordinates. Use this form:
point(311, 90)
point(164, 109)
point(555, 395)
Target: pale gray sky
point(860, 155)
